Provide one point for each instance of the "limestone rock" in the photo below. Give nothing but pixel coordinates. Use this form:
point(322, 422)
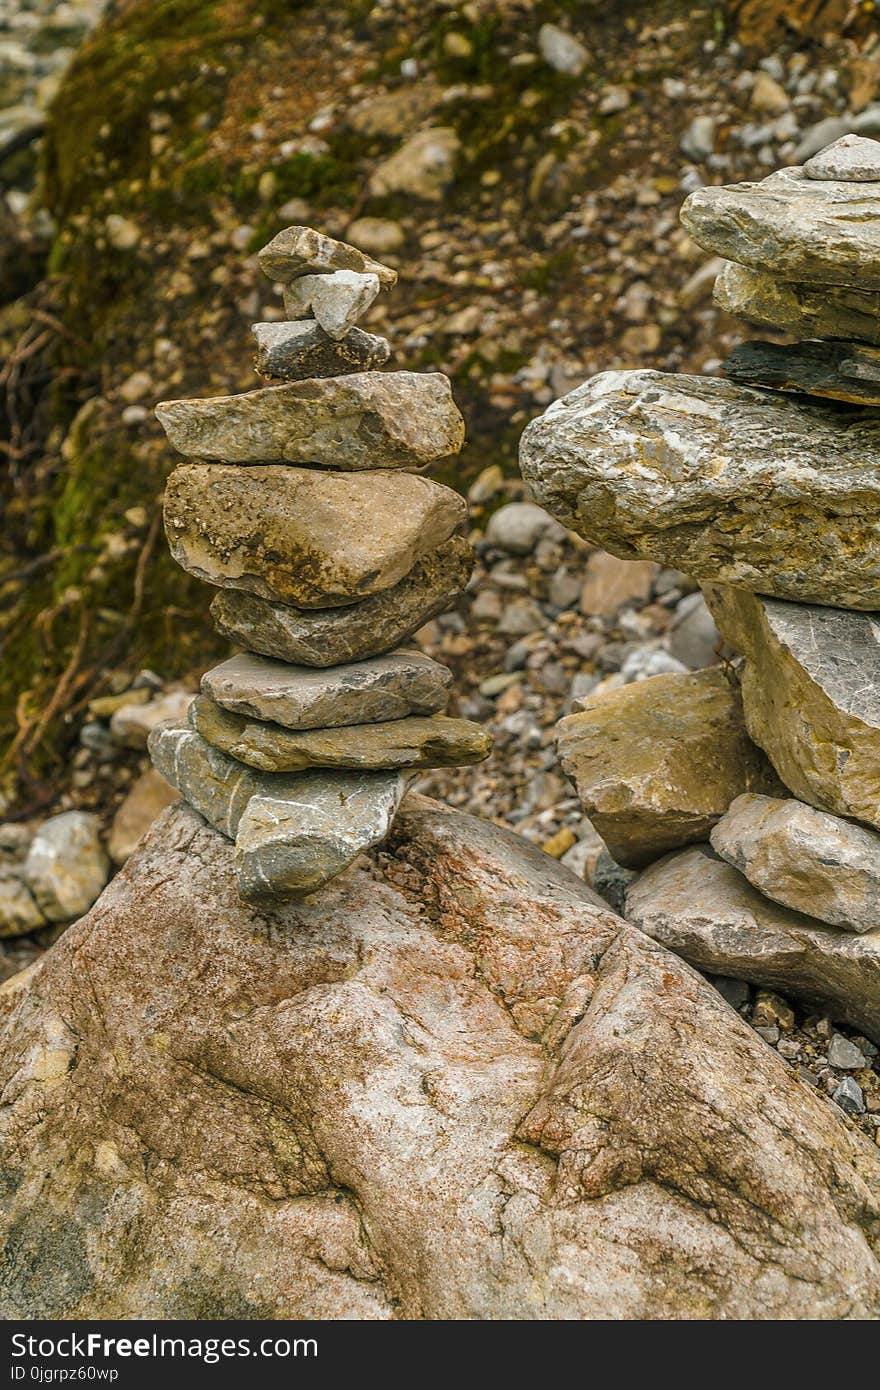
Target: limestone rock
point(517, 527)
point(304, 536)
point(658, 762)
point(303, 251)
point(721, 481)
point(149, 795)
point(805, 859)
point(410, 742)
point(66, 866)
point(707, 912)
point(292, 846)
point(295, 351)
point(423, 167)
point(811, 695)
point(825, 233)
point(386, 687)
point(364, 420)
point(852, 158)
point(19, 913)
point(132, 723)
point(335, 301)
point(328, 637)
point(837, 370)
point(450, 1086)
point(806, 311)
point(562, 50)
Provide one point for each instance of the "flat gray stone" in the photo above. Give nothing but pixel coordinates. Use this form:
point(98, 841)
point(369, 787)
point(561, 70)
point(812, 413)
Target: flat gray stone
point(730, 484)
point(298, 697)
point(707, 912)
point(335, 301)
point(329, 637)
point(835, 371)
point(66, 866)
point(805, 859)
point(825, 233)
point(287, 848)
point(297, 351)
point(396, 743)
point(304, 536)
point(851, 159)
point(303, 251)
point(806, 311)
point(811, 695)
point(364, 420)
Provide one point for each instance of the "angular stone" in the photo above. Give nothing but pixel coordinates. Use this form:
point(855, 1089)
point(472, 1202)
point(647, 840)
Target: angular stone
point(19, 913)
point(303, 251)
point(423, 167)
point(290, 847)
point(719, 480)
point(298, 351)
point(364, 420)
point(411, 742)
point(852, 159)
point(450, 1086)
point(837, 370)
point(657, 763)
point(148, 796)
point(329, 637)
point(708, 913)
point(303, 536)
point(218, 787)
point(362, 692)
point(800, 229)
point(805, 311)
point(811, 695)
point(805, 859)
point(610, 584)
point(66, 866)
point(335, 301)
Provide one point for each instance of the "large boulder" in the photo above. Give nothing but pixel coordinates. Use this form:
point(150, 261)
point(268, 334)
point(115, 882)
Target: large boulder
point(450, 1085)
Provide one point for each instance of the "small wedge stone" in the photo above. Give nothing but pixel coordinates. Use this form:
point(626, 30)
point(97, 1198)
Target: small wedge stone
point(837, 371)
point(332, 636)
point(299, 351)
point(306, 537)
point(303, 251)
point(364, 420)
point(805, 311)
point(298, 697)
point(851, 159)
point(805, 859)
point(397, 743)
point(335, 301)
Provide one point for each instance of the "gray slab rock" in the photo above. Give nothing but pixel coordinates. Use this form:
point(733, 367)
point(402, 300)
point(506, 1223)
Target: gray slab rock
point(806, 859)
point(363, 420)
point(66, 866)
point(449, 1086)
point(298, 351)
point(410, 742)
point(303, 251)
point(335, 301)
point(328, 637)
point(805, 311)
point(825, 233)
point(385, 687)
point(303, 536)
point(852, 159)
point(811, 695)
point(709, 914)
point(835, 371)
point(289, 847)
point(722, 481)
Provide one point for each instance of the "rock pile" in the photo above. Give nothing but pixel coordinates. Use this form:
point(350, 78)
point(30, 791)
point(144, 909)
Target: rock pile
point(763, 487)
point(304, 504)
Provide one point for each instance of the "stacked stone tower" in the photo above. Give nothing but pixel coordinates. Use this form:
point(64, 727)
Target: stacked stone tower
point(303, 504)
point(764, 486)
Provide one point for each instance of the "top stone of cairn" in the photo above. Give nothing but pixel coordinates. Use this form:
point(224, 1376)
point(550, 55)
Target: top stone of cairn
point(851, 159)
point(302, 251)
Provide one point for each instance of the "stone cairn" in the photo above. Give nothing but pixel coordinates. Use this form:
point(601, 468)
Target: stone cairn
point(764, 486)
point(304, 506)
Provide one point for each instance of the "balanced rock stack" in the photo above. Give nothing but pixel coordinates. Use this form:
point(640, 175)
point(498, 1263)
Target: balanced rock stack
point(766, 488)
point(303, 507)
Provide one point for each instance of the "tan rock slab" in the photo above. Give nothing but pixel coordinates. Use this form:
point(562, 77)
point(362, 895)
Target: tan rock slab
point(806, 311)
point(610, 583)
point(657, 763)
point(304, 251)
point(149, 795)
point(363, 420)
point(303, 536)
